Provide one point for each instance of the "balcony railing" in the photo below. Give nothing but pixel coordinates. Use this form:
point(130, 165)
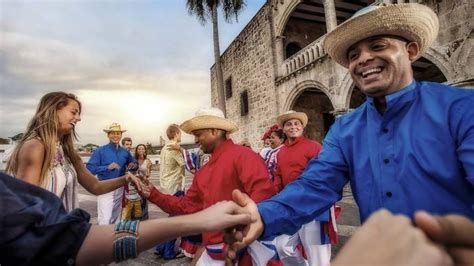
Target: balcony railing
point(311, 53)
point(308, 54)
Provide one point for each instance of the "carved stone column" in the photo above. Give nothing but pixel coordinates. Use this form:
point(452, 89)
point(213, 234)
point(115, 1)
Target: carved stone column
point(280, 54)
point(330, 14)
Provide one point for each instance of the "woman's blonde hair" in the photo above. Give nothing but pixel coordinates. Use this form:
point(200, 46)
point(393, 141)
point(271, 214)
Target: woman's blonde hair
point(44, 127)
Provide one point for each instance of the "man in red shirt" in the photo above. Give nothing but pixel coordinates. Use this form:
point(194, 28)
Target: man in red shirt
point(291, 162)
point(231, 167)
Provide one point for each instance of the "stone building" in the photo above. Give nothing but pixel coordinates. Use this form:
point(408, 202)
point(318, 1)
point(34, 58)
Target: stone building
point(277, 63)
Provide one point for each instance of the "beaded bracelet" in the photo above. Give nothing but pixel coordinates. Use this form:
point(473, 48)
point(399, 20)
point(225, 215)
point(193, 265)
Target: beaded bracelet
point(127, 226)
point(125, 247)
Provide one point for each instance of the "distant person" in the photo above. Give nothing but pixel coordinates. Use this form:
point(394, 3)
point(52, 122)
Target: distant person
point(291, 160)
point(45, 155)
point(144, 173)
point(110, 162)
point(266, 144)
point(277, 138)
point(172, 162)
point(172, 178)
point(127, 143)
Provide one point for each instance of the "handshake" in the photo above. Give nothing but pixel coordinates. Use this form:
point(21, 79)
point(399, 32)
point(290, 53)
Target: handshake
point(384, 239)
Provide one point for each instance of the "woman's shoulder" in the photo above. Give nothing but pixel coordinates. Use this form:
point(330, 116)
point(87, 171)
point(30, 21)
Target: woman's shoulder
point(32, 149)
point(32, 145)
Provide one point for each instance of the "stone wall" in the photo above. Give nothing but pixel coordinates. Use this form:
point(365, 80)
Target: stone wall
point(249, 62)
point(453, 50)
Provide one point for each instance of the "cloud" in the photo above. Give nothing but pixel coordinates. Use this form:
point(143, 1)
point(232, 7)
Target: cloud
point(142, 63)
point(146, 101)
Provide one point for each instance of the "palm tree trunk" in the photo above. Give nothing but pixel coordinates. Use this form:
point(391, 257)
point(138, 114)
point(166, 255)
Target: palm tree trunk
point(217, 58)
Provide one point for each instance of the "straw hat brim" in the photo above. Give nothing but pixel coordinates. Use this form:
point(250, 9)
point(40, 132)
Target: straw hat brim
point(414, 22)
point(296, 115)
point(208, 121)
point(108, 131)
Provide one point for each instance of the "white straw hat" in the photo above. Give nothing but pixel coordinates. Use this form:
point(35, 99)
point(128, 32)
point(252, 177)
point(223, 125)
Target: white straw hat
point(209, 118)
point(114, 127)
point(414, 22)
point(281, 119)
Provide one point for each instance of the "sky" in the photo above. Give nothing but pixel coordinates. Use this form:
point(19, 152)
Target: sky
point(143, 64)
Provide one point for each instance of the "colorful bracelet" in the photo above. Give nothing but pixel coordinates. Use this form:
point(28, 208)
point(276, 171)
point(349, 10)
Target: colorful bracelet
point(127, 226)
point(125, 247)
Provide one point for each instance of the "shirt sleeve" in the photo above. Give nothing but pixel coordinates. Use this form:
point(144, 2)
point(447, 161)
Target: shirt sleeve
point(189, 203)
point(179, 158)
point(463, 125)
point(35, 229)
point(318, 187)
point(94, 164)
point(254, 176)
point(315, 152)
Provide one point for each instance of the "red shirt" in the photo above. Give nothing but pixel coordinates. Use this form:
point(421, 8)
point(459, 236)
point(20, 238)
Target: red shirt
point(231, 167)
point(293, 158)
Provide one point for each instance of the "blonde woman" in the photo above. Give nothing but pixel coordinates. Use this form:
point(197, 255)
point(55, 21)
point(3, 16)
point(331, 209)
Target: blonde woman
point(45, 156)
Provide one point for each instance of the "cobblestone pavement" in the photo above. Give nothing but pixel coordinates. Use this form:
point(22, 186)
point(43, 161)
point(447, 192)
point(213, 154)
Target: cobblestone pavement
point(347, 223)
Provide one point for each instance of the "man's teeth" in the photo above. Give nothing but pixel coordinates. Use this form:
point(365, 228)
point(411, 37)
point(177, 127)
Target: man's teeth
point(370, 71)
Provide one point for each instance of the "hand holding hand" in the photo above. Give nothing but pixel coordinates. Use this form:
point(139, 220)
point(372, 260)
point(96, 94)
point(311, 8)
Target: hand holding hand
point(131, 166)
point(113, 166)
point(222, 215)
point(387, 239)
point(241, 236)
point(174, 147)
point(455, 232)
point(146, 190)
point(134, 180)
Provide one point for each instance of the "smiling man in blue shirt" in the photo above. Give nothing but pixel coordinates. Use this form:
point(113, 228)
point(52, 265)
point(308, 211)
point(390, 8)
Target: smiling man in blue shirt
point(409, 147)
point(108, 162)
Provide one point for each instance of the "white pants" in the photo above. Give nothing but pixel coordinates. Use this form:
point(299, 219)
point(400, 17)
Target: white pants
point(258, 252)
point(309, 236)
point(317, 253)
point(206, 260)
point(109, 207)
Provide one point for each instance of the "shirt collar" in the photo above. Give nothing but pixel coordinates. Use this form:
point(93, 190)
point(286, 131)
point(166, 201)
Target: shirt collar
point(279, 147)
point(221, 149)
point(113, 146)
point(297, 140)
point(398, 98)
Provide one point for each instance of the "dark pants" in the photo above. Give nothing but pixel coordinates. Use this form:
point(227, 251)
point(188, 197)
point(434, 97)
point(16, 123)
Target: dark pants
point(144, 209)
point(166, 249)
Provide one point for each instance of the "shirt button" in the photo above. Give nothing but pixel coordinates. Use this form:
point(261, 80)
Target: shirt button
point(389, 194)
point(386, 161)
point(385, 130)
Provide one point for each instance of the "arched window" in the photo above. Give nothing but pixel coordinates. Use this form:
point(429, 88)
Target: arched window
point(292, 48)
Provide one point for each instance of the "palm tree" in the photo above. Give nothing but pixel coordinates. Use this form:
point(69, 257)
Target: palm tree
point(205, 9)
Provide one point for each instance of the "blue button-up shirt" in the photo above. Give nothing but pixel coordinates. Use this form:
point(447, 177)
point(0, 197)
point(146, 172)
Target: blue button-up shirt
point(105, 155)
point(418, 155)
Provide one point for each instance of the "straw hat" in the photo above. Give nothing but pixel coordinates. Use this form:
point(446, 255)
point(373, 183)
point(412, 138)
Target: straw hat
point(292, 115)
point(414, 22)
point(209, 118)
point(114, 127)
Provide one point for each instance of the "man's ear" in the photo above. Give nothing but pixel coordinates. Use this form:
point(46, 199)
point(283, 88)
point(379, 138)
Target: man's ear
point(413, 50)
point(214, 132)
